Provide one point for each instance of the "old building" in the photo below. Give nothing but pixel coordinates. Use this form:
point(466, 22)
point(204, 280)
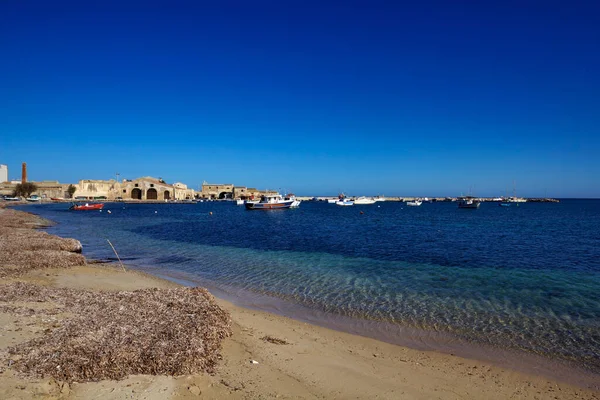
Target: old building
point(217, 190)
point(146, 188)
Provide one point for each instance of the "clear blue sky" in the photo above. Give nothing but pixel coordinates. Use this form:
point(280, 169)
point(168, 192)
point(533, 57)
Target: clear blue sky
point(400, 98)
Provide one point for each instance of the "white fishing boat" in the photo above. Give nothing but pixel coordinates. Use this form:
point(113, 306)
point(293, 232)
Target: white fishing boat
point(240, 202)
point(34, 199)
point(271, 202)
point(364, 200)
point(379, 198)
point(295, 201)
point(12, 198)
point(414, 203)
point(332, 201)
point(344, 202)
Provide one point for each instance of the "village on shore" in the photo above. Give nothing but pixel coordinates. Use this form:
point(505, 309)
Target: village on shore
point(150, 189)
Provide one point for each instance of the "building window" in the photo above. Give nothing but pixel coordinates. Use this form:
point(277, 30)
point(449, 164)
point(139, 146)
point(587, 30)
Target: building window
point(124, 190)
point(136, 185)
point(152, 185)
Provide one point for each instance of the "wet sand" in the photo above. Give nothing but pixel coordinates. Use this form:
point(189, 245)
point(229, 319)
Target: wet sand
point(293, 359)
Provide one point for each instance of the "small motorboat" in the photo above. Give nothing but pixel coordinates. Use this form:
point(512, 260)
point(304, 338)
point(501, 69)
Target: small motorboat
point(364, 200)
point(468, 202)
point(344, 202)
point(34, 199)
point(87, 207)
point(270, 202)
point(414, 203)
point(240, 202)
point(12, 198)
point(56, 198)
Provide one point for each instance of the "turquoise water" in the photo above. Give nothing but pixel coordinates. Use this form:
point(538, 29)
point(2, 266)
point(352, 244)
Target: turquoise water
point(523, 278)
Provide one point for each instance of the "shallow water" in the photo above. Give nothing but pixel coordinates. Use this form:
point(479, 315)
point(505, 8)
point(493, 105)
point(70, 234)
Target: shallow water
point(521, 278)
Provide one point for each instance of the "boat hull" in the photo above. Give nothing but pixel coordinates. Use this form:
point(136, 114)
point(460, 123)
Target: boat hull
point(269, 206)
point(86, 207)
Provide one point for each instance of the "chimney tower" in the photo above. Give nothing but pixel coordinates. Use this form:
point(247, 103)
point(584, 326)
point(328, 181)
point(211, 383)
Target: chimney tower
point(24, 173)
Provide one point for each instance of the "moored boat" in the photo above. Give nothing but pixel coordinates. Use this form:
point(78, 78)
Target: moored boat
point(87, 207)
point(240, 202)
point(270, 202)
point(414, 203)
point(34, 199)
point(364, 200)
point(468, 202)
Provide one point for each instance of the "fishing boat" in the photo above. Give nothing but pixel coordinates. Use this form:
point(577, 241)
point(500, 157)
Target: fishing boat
point(57, 198)
point(344, 202)
point(12, 198)
point(414, 203)
point(364, 200)
point(468, 202)
point(240, 202)
point(295, 201)
point(87, 207)
point(332, 201)
point(34, 199)
point(379, 198)
point(270, 202)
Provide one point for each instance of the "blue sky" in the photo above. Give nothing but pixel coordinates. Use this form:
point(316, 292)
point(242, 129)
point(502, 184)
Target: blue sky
point(399, 98)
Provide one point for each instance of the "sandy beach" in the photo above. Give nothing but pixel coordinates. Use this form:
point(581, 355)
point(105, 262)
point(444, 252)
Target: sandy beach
point(267, 356)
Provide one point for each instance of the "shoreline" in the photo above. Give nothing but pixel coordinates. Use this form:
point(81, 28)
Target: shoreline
point(387, 332)
point(310, 364)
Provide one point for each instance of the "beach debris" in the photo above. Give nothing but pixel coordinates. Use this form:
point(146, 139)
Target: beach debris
point(110, 335)
point(116, 254)
point(274, 340)
point(253, 362)
point(22, 248)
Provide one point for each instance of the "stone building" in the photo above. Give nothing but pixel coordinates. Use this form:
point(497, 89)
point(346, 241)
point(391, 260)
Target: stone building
point(146, 188)
point(217, 190)
point(91, 189)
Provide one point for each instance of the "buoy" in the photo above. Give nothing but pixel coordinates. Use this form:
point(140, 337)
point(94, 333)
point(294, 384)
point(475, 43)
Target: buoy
point(378, 206)
point(109, 212)
point(100, 210)
point(362, 212)
point(155, 212)
point(210, 213)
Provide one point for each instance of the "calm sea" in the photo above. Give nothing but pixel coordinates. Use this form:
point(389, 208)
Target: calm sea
point(523, 278)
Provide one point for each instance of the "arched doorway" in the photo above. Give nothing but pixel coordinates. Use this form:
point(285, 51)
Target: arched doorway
point(136, 194)
point(151, 194)
point(225, 195)
point(167, 195)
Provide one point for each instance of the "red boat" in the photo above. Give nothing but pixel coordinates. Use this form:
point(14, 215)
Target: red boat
point(86, 206)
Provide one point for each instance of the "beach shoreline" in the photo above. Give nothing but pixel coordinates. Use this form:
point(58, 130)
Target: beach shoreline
point(294, 359)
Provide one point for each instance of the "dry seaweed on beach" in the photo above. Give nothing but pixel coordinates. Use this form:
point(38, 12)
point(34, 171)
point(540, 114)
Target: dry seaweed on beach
point(18, 263)
point(23, 248)
point(111, 335)
point(17, 219)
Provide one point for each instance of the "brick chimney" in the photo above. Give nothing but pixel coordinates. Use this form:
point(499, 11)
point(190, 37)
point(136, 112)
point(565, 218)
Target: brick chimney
point(24, 173)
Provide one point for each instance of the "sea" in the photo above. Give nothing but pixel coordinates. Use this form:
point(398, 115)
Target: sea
point(518, 285)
